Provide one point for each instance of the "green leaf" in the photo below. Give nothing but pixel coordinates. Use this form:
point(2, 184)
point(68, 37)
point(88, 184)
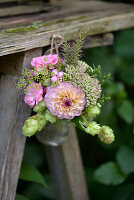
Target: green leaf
point(125, 159)
point(117, 89)
point(30, 173)
point(49, 117)
point(20, 197)
point(126, 111)
point(109, 174)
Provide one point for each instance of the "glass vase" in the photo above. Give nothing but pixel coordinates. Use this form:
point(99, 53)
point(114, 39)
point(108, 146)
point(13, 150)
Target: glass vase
point(54, 134)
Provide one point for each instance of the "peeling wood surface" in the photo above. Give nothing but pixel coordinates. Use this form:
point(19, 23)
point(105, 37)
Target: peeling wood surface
point(105, 17)
point(13, 113)
point(67, 170)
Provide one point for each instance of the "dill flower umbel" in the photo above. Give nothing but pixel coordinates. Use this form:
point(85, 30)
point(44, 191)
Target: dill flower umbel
point(66, 100)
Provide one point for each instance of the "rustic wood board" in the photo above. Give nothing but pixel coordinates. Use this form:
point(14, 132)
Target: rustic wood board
point(10, 67)
point(23, 9)
point(102, 19)
point(13, 113)
point(67, 170)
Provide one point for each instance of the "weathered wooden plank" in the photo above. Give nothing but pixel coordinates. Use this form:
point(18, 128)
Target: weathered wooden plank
point(23, 9)
point(13, 112)
point(67, 170)
point(17, 40)
point(19, 1)
point(8, 66)
point(7, 1)
point(82, 7)
point(99, 40)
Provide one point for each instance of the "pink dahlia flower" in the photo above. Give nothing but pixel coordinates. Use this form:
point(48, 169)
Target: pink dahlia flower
point(65, 100)
point(34, 94)
point(38, 63)
point(51, 60)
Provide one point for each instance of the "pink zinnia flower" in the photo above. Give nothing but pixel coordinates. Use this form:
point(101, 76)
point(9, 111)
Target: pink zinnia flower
point(34, 94)
point(38, 63)
point(65, 100)
point(51, 60)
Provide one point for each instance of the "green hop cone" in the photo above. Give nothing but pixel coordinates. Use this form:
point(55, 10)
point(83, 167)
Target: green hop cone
point(93, 128)
point(93, 111)
point(40, 106)
point(106, 135)
point(30, 126)
point(41, 121)
point(49, 117)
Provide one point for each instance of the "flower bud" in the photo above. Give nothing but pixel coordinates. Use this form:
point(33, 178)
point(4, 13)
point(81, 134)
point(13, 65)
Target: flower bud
point(93, 128)
point(30, 126)
point(40, 106)
point(41, 121)
point(54, 78)
point(60, 74)
point(55, 71)
point(49, 117)
point(93, 111)
point(106, 135)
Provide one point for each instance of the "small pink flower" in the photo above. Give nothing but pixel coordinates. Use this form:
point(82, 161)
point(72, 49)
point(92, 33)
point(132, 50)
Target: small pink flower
point(55, 71)
point(34, 94)
point(60, 74)
point(38, 63)
point(54, 78)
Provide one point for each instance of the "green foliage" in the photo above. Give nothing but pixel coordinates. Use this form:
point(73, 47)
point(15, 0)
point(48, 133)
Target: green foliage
point(125, 158)
point(109, 174)
point(126, 111)
point(72, 52)
point(49, 117)
point(30, 173)
point(20, 197)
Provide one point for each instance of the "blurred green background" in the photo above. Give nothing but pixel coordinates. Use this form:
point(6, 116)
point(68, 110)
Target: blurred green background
point(109, 169)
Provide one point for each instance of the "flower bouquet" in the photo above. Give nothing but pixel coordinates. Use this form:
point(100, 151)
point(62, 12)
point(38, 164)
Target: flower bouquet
point(66, 89)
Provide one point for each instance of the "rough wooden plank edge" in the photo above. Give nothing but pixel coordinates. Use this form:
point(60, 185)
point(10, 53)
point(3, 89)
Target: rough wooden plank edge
point(99, 40)
point(67, 170)
point(19, 1)
point(23, 9)
point(13, 113)
point(57, 12)
point(8, 66)
point(101, 23)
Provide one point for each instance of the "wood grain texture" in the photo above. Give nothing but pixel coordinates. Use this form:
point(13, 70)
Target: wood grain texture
point(115, 18)
point(13, 113)
point(8, 66)
point(99, 40)
point(18, 1)
point(23, 9)
point(82, 7)
point(67, 170)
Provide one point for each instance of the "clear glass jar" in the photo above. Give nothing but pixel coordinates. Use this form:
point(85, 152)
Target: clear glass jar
point(54, 134)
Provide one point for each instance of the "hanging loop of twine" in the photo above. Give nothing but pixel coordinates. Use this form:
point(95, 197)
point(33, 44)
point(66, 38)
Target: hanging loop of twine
point(55, 44)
